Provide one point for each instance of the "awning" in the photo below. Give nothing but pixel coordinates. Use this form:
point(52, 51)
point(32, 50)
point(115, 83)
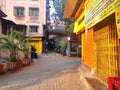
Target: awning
point(6, 21)
point(2, 14)
point(20, 25)
point(32, 34)
point(75, 9)
point(69, 8)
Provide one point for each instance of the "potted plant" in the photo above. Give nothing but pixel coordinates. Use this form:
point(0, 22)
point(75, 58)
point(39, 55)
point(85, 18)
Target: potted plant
point(26, 49)
point(63, 46)
point(1, 64)
point(1, 68)
point(11, 44)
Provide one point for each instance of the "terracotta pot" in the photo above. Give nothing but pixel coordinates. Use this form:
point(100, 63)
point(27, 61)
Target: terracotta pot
point(1, 68)
point(26, 61)
point(11, 65)
point(19, 64)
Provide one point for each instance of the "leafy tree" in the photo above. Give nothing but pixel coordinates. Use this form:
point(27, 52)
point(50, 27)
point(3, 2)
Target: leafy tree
point(69, 26)
point(11, 44)
point(59, 9)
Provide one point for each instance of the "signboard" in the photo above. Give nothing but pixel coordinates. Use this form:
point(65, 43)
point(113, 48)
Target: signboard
point(97, 10)
point(117, 14)
point(33, 22)
point(79, 24)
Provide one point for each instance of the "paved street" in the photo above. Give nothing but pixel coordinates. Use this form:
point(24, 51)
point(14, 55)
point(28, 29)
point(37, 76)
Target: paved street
point(49, 72)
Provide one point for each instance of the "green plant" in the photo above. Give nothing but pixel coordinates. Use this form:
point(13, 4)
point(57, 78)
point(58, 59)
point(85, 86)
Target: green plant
point(69, 26)
point(63, 46)
point(11, 43)
point(24, 47)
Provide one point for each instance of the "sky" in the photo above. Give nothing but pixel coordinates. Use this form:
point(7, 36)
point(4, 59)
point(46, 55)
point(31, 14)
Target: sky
point(52, 10)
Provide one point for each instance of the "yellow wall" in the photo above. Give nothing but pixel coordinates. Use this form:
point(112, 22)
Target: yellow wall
point(37, 43)
point(79, 24)
point(106, 49)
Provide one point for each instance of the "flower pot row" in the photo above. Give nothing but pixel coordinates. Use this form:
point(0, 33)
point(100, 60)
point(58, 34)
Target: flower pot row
point(14, 65)
point(1, 68)
point(15, 43)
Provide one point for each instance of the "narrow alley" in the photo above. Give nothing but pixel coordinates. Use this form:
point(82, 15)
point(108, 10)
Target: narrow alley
point(59, 44)
point(49, 72)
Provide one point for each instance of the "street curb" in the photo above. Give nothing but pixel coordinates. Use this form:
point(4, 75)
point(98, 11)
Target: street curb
point(90, 75)
point(87, 85)
point(85, 82)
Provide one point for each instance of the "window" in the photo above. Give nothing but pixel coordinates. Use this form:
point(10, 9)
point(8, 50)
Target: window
point(33, 11)
point(19, 11)
point(34, 29)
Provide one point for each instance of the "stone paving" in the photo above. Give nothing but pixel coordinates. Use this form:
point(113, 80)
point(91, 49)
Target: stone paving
point(49, 72)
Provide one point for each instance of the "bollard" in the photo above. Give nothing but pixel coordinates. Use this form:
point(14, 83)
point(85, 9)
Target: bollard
point(114, 83)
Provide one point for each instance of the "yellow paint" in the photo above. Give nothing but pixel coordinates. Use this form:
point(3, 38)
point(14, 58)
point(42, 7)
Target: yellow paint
point(37, 43)
point(102, 15)
point(36, 38)
point(106, 54)
point(117, 14)
point(79, 23)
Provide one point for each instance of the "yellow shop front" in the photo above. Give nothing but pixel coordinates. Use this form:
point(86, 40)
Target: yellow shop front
point(37, 43)
point(86, 38)
point(105, 36)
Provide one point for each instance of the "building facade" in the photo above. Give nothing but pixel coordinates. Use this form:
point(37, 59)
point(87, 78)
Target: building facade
point(30, 17)
point(100, 35)
point(2, 14)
